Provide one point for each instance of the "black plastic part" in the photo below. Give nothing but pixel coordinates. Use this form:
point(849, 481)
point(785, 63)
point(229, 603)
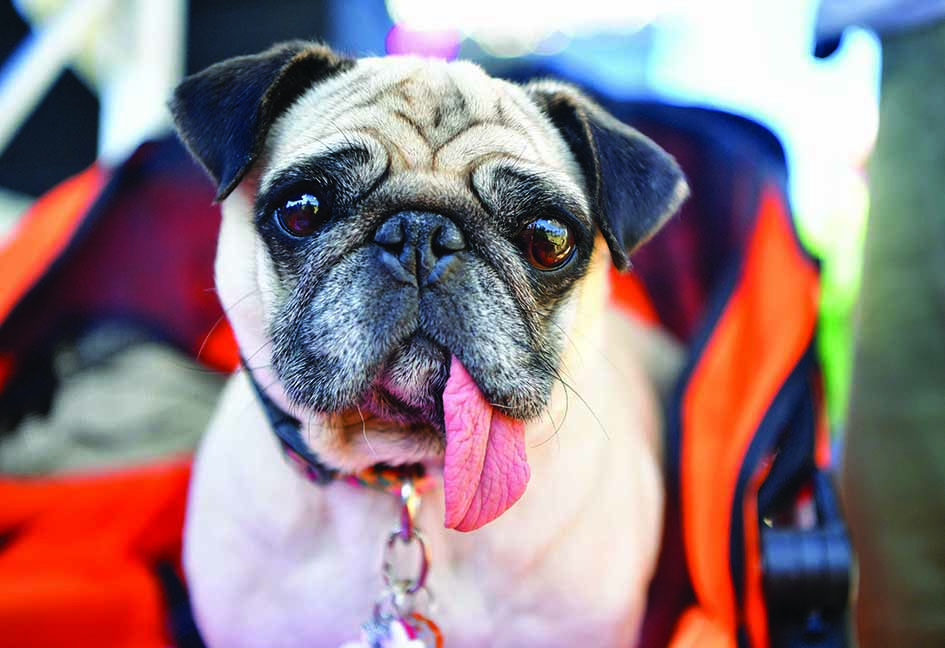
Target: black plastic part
point(806, 569)
point(806, 577)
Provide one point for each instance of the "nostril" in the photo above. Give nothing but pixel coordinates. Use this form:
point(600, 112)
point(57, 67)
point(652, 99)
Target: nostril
point(448, 238)
point(419, 248)
point(390, 235)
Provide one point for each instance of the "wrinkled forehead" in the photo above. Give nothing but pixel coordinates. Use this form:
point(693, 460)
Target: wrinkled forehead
point(448, 120)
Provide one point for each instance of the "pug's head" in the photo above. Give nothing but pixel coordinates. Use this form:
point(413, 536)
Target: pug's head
point(402, 243)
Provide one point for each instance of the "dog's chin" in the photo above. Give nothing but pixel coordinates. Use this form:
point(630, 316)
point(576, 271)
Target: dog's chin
point(357, 439)
point(398, 420)
point(409, 388)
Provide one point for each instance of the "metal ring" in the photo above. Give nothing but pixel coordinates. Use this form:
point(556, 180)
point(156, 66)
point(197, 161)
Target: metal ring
point(409, 586)
point(409, 505)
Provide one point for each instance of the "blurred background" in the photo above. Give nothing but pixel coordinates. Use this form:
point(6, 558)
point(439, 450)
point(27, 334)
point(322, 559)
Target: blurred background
point(846, 97)
point(88, 79)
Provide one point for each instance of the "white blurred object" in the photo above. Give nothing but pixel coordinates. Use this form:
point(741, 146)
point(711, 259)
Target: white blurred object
point(131, 52)
point(12, 206)
point(755, 59)
point(742, 56)
point(522, 27)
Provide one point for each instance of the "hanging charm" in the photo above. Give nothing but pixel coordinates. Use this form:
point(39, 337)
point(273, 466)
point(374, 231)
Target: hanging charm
point(396, 621)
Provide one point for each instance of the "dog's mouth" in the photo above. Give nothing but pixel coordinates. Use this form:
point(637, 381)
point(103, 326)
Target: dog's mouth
point(485, 470)
point(409, 387)
point(441, 393)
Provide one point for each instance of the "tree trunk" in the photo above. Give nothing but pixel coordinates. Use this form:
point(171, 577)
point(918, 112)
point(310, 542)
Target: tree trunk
point(894, 462)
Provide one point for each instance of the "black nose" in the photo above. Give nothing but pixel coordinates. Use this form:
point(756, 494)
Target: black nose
point(419, 247)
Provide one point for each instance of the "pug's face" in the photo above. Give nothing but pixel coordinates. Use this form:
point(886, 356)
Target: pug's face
point(403, 220)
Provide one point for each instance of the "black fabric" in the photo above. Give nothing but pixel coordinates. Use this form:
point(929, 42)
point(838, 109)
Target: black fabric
point(785, 426)
point(141, 256)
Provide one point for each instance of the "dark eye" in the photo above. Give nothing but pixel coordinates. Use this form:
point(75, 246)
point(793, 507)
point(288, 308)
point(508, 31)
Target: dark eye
point(547, 243)
point(300, 216)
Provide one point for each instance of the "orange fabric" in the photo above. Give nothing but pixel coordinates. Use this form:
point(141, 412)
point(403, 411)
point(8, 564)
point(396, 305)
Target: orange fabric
point(695, 629)
point(78, 568)
point(760, 337)
point(628, 291)
point(756, 616)
point(43, 233)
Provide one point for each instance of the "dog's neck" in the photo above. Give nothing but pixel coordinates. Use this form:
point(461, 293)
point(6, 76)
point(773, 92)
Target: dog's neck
point(287, 430)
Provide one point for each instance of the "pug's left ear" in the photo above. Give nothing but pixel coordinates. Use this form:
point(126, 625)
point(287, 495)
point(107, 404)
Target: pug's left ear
point(634, 185)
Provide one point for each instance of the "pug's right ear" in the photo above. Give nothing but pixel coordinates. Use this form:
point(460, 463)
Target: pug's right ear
point(224, 112)
point(634, 185)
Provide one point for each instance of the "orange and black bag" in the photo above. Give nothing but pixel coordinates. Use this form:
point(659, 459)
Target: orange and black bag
point(754, 551)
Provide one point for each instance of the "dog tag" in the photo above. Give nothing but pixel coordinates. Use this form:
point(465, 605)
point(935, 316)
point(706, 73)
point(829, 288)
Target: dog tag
point(391, 633)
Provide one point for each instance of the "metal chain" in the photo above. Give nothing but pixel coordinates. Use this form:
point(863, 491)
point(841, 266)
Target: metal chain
point(401, 590)
point(398, 610)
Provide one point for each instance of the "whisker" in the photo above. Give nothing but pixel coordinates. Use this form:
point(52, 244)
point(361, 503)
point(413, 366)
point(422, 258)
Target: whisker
point(255, 353)
point(364, 432)
point(569, 339)
point(557, 427)
point(308, 428)
point(554, 373)
point(222, 317)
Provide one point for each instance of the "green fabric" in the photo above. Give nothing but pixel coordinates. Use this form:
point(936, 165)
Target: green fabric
point(894, 463)
point(836, 238)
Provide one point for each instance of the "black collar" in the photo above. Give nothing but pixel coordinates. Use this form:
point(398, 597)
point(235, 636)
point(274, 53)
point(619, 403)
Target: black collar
point(287, 429)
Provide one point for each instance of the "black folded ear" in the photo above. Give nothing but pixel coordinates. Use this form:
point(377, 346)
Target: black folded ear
point(224, 112)
point(634, 185)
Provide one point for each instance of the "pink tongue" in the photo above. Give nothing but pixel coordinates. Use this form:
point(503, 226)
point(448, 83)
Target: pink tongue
point(485, 471)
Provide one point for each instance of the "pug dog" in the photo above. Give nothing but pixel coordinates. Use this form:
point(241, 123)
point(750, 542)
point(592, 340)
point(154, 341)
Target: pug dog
point(414, 258)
